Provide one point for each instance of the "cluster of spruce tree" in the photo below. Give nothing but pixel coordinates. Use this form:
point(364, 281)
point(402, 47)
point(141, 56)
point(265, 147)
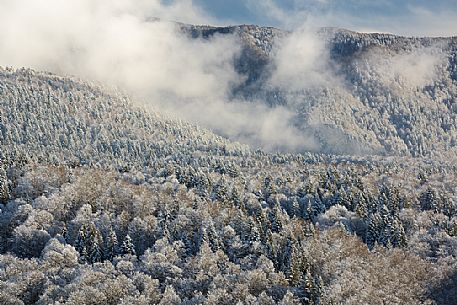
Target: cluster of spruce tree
point(146, 219)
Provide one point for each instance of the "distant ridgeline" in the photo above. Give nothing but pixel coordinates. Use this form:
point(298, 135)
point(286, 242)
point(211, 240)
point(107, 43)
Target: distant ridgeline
point(386, 94)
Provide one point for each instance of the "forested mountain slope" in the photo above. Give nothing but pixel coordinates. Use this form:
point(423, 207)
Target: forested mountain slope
point(367, 94)
point(66, 121)
point(104, 203)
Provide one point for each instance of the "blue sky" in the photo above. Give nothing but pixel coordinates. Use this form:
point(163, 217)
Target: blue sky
point(408, 17)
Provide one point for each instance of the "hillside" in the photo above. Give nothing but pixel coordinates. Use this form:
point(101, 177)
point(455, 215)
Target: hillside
point(44, 117)
point(103, 202)
point(365, 93)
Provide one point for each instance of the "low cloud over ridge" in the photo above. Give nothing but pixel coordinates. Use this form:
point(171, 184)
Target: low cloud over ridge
point(121, 43)
point(117, 43)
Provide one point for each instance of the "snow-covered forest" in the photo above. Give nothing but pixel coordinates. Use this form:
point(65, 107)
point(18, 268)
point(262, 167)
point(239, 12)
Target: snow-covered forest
point(103, 202)
point(357, 93)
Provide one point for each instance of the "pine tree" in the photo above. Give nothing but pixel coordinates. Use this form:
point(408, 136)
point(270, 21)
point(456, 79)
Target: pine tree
point(386, 226)
point(306, 211)
point(295, 208)
point(235, 197)
point(84, 256)
point(283, 258)
point(305, 289)
point(296, 264)
point(254, 231)
point(361, 209)
point(428, 200)
point(93, 245)
point(220, 192)
point(375, 227)
point(127, 246)
point(276, 217)
point(318, 290)
point(203, 184)
point(269, 187)
point(4, 188)
point(317, 206)
point(398, 234)
point(111, 245)
point(213, 237)
point(309, 289)
point(271, 246)
point(80, 244)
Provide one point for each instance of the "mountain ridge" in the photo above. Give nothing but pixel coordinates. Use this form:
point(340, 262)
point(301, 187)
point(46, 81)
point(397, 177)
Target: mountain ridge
point(402, 73)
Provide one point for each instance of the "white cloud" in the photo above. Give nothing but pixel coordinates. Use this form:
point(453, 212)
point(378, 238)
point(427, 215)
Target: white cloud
point(417, 68)
point(112, 42)
point(301, 61)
